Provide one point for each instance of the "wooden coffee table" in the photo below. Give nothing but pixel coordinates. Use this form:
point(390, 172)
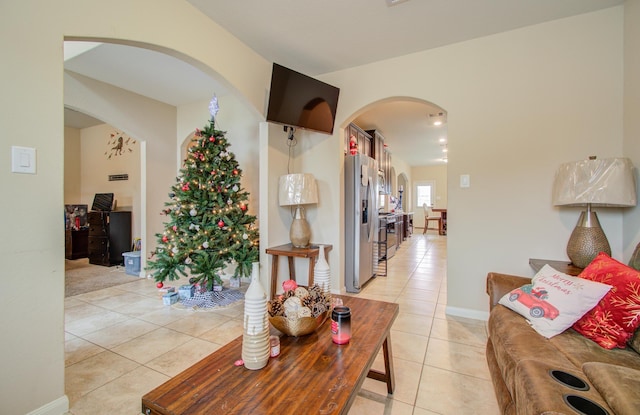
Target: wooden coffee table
point(312, 375)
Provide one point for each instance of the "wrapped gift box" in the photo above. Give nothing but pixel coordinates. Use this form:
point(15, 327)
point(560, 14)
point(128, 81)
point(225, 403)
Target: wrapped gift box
point(170, 298)
point(166, 289)
point(186, 291)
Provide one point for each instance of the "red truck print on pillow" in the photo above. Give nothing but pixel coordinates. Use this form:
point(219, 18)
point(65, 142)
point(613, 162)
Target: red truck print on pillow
point(534, 300)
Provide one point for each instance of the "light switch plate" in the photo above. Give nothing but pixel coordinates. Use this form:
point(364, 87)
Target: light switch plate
point(23, 160)
point(465, 180)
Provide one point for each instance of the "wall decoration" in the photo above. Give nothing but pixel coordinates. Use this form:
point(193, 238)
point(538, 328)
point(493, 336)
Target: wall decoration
point(119, 144)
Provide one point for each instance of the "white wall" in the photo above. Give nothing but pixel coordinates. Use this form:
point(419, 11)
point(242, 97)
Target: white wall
point(438, 174)
point(72, 162)
point(401, 167)
point(519, 104)
point(313, 153)
point(31, 115)
point(631, 225)
point(99, 161)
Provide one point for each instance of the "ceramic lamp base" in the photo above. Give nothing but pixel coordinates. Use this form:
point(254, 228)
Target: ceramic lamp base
point(300, 232)
point(587, 240)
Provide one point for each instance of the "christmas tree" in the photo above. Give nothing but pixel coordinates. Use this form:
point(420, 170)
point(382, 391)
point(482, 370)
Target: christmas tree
point(208, 225)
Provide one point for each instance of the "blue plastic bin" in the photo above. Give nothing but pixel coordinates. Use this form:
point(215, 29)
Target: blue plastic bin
point(132, 263)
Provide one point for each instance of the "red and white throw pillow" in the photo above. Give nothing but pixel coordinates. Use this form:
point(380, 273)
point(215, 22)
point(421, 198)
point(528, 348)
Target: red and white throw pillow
point(554, 300)
point(612, 322)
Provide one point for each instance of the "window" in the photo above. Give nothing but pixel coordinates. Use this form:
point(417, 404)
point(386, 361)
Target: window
point(424, 193)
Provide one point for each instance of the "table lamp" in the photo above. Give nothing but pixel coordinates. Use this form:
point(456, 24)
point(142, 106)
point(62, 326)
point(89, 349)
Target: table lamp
point(593, 183)
point(297, 190)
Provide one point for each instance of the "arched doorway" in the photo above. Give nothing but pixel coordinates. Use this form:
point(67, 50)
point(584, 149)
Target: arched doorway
point(414, 142)
point(412, 148)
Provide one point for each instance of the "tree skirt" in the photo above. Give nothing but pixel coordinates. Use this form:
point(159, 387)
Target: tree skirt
point(211, 299)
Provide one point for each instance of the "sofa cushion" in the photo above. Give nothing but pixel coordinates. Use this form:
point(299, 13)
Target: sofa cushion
point(580, 350)
point(618, 385)
point(554, 300)
point(613, 321)
point(514, 340)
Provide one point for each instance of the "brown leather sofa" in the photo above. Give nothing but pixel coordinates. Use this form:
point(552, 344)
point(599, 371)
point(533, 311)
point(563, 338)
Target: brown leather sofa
point(535, 375)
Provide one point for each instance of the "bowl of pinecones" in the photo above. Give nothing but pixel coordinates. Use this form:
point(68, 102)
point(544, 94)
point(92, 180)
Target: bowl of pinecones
point(299, 310)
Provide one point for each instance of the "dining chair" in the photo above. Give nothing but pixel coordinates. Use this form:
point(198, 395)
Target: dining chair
point(429, 216)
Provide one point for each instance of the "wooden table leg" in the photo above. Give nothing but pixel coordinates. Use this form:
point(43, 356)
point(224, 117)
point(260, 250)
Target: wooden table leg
point(292, 269)
point(274, 275)
point(388, 376)
point(311, 269)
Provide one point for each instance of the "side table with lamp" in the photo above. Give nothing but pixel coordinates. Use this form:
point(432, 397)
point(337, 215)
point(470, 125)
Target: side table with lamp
point(288, 250)
point(593, 183)
point(296, 190)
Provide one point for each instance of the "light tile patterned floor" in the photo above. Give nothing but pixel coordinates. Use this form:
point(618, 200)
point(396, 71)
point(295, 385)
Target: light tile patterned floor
point(121, 342)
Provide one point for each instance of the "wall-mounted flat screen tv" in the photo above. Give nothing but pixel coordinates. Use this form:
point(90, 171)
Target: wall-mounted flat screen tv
point(297, 100)
point(102, 202)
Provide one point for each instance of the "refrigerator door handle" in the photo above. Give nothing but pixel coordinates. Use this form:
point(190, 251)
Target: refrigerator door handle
point(373, 215)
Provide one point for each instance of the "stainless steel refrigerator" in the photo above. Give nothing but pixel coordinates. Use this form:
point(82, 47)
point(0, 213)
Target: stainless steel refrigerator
point(361, 219)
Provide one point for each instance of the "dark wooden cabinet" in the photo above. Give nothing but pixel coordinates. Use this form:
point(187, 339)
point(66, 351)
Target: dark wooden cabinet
point(378, 147)
point(109, 236)
point(407, 219)
point(399, 230)
point(76, 243)
point(364, 140)
point(383, 157)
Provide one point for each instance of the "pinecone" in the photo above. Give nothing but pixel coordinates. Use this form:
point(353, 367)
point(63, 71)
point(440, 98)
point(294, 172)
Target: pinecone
point(317, 296)
point(308, 301)
point(315, 290)
point(318, 308)
point(275, 308)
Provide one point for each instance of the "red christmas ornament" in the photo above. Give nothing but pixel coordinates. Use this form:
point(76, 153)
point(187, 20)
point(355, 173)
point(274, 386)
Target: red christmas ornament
point(220, 223)
point(213, 172)
point(164, 238)
point(175, 228)
point(160, 284)
point(185, 187)
point(235, 172)
point(243, 207)
point(212, 139)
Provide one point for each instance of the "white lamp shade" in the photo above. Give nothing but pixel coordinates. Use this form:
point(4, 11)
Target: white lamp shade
point(600, 182)
point(297, 189)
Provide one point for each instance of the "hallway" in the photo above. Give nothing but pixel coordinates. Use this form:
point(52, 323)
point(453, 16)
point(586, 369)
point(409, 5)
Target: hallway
point(121, 342)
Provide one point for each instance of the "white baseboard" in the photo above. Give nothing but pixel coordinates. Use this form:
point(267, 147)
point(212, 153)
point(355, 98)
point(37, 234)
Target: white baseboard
point(467, 313)
point(58, 407)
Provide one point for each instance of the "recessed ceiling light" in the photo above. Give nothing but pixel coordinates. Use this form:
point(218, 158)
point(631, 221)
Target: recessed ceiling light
point(442, 140)
point(394, 2)
point(438, 118)
point(445, 150)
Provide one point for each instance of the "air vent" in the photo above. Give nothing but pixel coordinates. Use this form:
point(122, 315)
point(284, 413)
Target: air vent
point(118, 177)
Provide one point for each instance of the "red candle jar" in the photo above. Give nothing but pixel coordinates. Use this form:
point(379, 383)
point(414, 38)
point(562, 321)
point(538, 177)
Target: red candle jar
point(341, 324)
point(274, 342)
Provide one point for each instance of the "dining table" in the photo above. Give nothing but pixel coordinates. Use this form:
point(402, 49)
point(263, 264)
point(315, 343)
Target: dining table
point(443, 222)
